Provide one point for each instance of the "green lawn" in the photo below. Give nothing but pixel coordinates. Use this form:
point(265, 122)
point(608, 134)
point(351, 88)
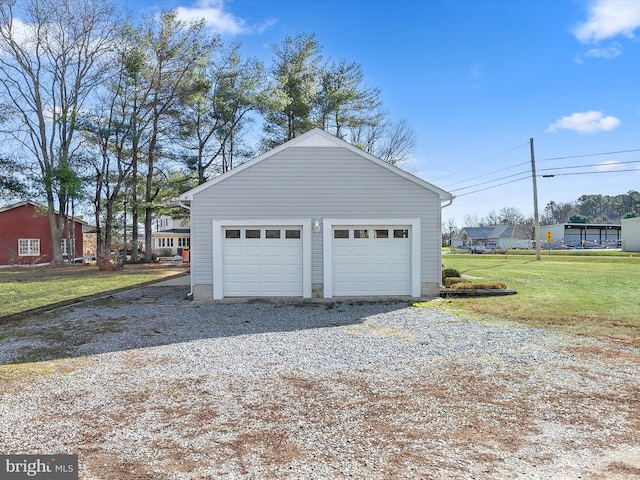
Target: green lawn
point(581, 294)
point(23, 289)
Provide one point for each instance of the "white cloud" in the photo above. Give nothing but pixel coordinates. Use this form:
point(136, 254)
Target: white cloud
point(609, 166)
point(609, 52)
point(212, 11)
point(608, 19)
point(218, 20)
point(585, 122)
point(23, 34)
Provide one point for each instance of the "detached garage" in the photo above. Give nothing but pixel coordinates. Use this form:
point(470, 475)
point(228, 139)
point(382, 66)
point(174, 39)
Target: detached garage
point(315, 217)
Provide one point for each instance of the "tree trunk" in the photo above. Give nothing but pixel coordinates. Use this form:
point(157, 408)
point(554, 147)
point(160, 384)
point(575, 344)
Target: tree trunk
point(56, 235)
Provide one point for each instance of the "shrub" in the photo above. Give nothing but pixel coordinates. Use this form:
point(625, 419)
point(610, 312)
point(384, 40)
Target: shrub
point(449, 272)
point(478, 286)
point(453, 280)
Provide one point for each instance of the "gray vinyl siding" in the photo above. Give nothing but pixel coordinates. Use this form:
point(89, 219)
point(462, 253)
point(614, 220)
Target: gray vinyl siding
point(315, 183)
point(316, 258)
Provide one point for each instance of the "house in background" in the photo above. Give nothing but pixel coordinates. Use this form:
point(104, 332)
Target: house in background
point(494, 237)
point(171, 237)
point(630, 234)
point(582, 235)
point(316, 217)
point(25, 236)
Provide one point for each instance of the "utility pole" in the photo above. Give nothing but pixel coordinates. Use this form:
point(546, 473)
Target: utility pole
point(536, 221)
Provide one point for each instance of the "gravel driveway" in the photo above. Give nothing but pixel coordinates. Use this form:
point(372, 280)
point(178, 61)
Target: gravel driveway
point(147, 385)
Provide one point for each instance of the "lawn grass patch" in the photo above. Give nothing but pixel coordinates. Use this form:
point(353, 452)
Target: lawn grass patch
point(23, 289)
point(581, 294)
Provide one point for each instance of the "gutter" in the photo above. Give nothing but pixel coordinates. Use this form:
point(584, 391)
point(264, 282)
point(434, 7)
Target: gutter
point(450, 202)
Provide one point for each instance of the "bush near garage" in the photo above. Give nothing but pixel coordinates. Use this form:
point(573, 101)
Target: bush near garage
point(449, 272)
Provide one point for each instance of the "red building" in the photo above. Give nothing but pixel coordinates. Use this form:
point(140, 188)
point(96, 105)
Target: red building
point(25, 235)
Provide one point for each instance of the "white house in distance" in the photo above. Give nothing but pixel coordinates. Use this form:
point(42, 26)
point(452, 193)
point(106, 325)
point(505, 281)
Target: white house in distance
point(631, 234)
point(171, 236)
point(502, 236)
point(315, 217)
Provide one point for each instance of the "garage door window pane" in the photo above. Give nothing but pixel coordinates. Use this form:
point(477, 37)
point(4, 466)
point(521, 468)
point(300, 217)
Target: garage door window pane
point(232, 234)
point(401, 234)
point(273, 234)
point(341, 234)
point(292, 234)
point(381, 234)
point(360, 233)
point(252, 234)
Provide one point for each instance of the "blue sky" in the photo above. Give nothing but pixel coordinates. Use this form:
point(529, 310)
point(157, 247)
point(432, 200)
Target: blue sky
point(476, 79)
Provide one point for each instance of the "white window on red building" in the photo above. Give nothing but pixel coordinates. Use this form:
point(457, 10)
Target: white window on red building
point(28, 247)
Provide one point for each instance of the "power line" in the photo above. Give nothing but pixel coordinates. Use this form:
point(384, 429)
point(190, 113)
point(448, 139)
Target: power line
point(495, 186)
point(490, 181)
point(487, 174)
point(529, 175)
point(589, 155)
point(591, 165)
point(490, 158)
point(586, 173)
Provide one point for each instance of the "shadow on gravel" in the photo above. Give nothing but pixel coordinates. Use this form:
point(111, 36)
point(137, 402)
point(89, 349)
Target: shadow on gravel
point(161, 315)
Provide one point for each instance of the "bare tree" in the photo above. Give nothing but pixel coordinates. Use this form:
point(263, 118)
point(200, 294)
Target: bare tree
point(511, 216)
point(492, 218)
point(558, 212)
point(471, 220)
point(396, 143)
point(109, 136)
point(449, 230)
point(51, 61)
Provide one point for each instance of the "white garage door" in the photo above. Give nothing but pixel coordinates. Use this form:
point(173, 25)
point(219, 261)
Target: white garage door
point(371, 260)
point(262, 261)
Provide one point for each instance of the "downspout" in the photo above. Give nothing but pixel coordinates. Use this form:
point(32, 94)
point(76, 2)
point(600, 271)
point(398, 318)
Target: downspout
point(190, 294)
point(441, 207)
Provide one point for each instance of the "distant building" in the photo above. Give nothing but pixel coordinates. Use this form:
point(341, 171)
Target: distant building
point(582, 235)
point(631, 234)
point(171, 236)
point(499, 236)
point(25, 236)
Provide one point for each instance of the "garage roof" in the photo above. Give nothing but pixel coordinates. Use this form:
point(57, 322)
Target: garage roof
point(318, 138)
